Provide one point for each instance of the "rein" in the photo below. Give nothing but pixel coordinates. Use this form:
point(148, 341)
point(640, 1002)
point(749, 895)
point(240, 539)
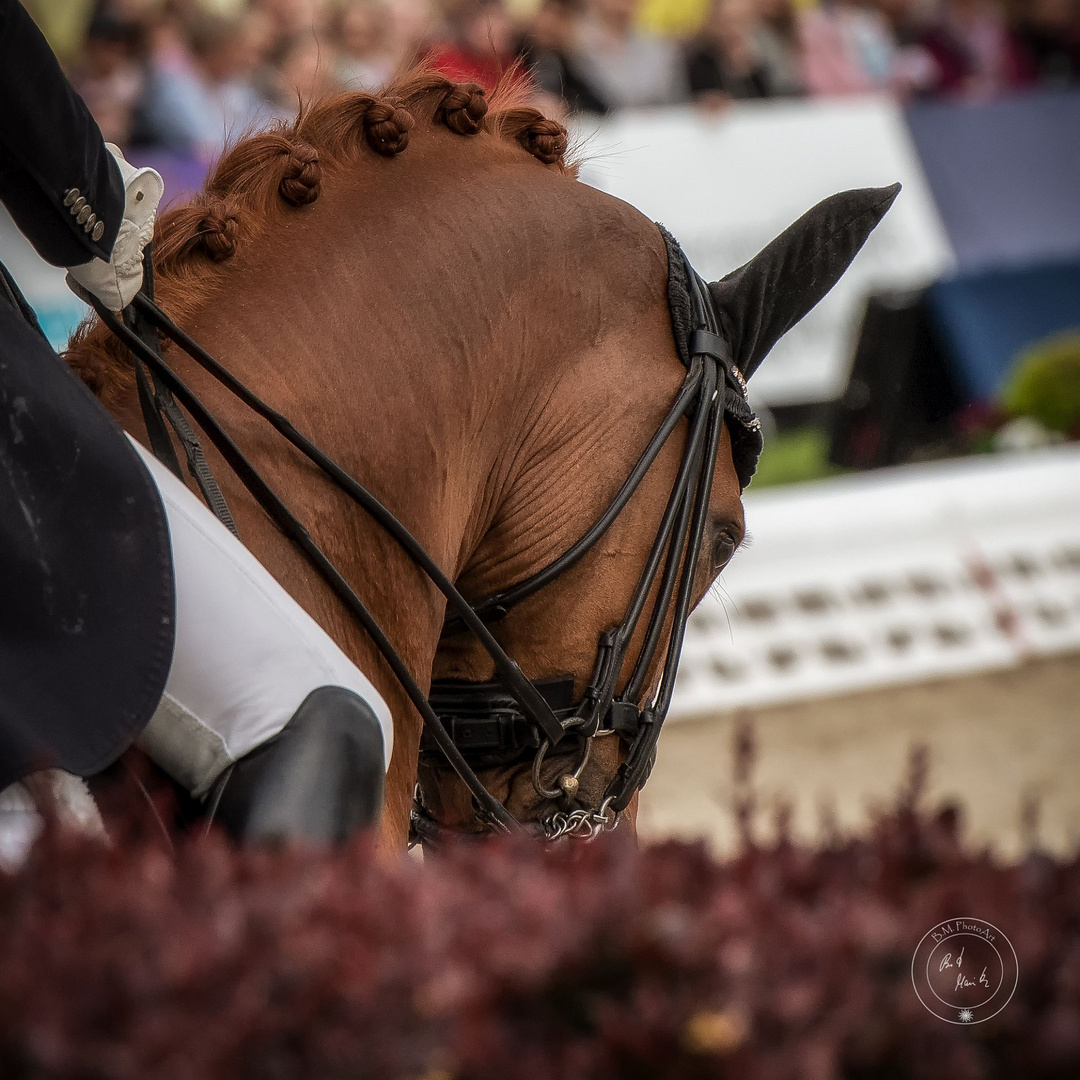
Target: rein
point(491, 723)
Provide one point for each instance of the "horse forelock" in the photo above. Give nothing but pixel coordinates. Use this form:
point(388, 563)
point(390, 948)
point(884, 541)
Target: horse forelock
point(281, 169)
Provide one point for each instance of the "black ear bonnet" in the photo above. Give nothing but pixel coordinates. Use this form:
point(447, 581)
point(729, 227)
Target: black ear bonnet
point(744, 427)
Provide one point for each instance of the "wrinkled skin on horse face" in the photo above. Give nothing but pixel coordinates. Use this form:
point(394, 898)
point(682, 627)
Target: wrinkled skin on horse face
point(586, 448)
point(590, 430)
point(557, 631)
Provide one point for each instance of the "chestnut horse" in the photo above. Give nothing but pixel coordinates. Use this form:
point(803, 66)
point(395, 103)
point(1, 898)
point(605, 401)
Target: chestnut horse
point(419, 283)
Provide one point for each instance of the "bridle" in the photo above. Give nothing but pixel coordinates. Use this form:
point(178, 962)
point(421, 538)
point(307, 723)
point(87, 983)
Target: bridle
point(471, 726)
point(481, 717)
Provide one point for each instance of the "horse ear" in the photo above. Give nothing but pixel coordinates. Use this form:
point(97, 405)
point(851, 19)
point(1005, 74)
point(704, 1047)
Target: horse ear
point(763, 300)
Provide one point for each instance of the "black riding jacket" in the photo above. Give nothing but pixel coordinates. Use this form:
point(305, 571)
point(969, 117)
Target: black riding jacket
point(50, 146)
point(87, 610)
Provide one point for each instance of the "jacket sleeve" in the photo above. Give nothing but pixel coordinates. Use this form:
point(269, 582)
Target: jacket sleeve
point(57, 180)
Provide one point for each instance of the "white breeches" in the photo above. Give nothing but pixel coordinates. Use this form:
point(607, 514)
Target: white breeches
point(246, 653)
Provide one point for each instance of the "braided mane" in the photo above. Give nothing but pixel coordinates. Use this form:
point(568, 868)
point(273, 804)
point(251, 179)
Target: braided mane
point(281, 169)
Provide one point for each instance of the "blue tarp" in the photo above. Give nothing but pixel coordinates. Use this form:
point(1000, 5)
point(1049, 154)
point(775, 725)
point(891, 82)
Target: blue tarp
point(987, 319)
point(1005, 176)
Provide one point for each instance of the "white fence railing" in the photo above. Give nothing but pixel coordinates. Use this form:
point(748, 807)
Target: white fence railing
point(898, 576)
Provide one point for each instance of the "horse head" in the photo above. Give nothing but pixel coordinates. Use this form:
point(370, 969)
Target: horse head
point(554, 620)
point(418, 282)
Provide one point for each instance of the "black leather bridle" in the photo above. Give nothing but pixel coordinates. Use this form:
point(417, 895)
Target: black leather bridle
point(482, 718)
point(470, 726)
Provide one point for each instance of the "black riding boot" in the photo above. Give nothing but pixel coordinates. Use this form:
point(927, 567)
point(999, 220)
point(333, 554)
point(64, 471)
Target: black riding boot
point(319, 781)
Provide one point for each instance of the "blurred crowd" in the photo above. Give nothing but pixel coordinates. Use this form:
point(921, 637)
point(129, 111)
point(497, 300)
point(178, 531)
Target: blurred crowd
point(184, 75)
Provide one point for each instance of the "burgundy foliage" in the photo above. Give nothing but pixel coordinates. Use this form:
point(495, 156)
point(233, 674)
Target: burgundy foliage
point(508, 961)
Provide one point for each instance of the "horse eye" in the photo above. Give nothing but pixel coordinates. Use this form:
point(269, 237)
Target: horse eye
point(723, 549)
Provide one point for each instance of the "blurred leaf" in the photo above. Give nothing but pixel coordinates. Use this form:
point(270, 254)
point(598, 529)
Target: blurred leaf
point(792, 457)
point(1045, 383)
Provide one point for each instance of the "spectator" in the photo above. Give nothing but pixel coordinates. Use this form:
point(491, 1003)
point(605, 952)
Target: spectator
point(304, 68)
point(724, 62)
point(548, 50)
point(367, 59)
point(172, 114)
point(778, 41)
point(292, 19)
point(914, 68)
point(228, 52)
point(170, 74)
point(1048, 31)
point(480, 46)
point(409, 29)
point(200, 91)
point(907, 19)
point(108, 78)
point(846, 48)
point(975, 52)
point(627, 68)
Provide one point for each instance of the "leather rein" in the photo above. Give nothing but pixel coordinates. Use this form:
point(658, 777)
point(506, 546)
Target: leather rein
point(470, 726)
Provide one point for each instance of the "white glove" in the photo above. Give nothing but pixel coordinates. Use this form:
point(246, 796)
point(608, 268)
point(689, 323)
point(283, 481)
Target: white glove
point(117, 281)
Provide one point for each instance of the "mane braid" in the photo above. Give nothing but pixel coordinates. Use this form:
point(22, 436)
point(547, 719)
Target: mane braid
point(281, 171)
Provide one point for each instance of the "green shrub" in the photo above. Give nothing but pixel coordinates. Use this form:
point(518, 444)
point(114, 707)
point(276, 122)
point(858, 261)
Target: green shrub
point(792, 457)
point(1045, 383)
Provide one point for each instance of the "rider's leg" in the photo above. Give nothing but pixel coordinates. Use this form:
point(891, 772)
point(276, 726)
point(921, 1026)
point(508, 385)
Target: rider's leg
point(320, 779)
point(262, 712)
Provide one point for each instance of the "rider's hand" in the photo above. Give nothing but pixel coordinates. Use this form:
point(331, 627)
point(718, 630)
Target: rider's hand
point(117, 281)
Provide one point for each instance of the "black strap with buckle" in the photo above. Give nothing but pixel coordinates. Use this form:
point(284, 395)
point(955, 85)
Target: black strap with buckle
point(487, 723)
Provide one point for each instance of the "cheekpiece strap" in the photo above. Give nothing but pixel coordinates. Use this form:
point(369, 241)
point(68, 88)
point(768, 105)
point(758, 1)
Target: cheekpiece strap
point(695, 325)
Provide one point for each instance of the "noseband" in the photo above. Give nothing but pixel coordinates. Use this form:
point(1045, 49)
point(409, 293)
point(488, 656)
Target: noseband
point(474, 726)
